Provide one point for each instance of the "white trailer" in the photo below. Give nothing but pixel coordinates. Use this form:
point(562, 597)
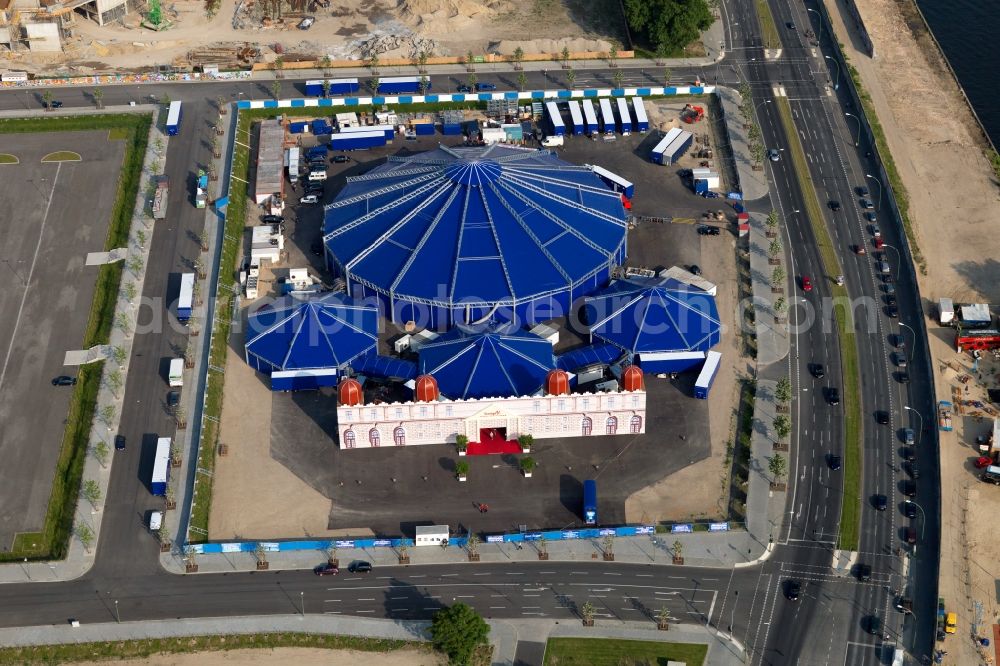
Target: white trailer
point(293, 164)
point(176, 375)
point(590, 115)
point(607, 116)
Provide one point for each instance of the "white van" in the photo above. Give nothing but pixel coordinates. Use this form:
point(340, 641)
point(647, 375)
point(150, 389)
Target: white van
point(552, 141)
point(155, 521)
point(317, 175)
point(176, 375)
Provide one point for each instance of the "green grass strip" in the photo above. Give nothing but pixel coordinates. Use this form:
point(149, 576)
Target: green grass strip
point(768, 29)
point(145, 648)
point(899, 192)
point(52, 542)
point(850, 508)
point(62, 156)
point(612, 652)
point(7, 158)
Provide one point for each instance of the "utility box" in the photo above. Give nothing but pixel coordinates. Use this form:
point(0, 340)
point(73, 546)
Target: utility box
point(432, 535)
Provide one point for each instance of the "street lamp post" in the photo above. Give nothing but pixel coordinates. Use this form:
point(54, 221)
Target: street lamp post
point(895, 274)
point(118, 618)
point(911, 409)
point(857, 138)
point(302, 599)
point(836, 84)
point(909, 357)
point(732, 615)
point(878, 202)
point(821, 25)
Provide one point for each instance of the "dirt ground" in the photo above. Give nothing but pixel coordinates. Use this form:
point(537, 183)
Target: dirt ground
point(442, 27)
point(953, 204)
point(300, 656)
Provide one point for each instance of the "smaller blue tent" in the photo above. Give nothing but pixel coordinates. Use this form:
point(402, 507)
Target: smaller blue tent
point(495, 362)
point(654, 315)
point(328, 331)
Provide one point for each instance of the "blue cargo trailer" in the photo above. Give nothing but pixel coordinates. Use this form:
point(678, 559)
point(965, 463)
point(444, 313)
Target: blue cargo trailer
point(401, 84)
point(299, 127)
point(388, 130)
point(161, 468)
point(614, 181)
point(671, 146)
point(357, 140)
point(654, 363)
point(317, 151)
point(186, 298)
point(607, 116)
point(641, 119)
point(423, 129)
point(590, 116)
point(314, 88)
point(590, 502)
point(707, 376)
point(577, 116)
point(555, 119)
point(624, 115)
point(321, 126)
point(303, 380)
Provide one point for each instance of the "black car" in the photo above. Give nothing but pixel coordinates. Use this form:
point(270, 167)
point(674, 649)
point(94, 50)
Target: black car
point(908, 453)
point(793, 590)
point(909, 509)
point(834, 461)
point(880, 502)
point(861, 190)
point(833, 395)
point(317, 249)
point(790, 25)
point(706, 230)
point(340, 159)
point(316, 165)
point(326, 570)
point(314, 188)
point(887, 278)
point(864, 572)
point(119, 442)
point(903, 377)
point(890, 299)
point(910, 536)
point(360, 567)
point(173, 400)
point(694, 269)
point(817, 370)
point(873, 623)
point(834, 206)
point(64, 380)
point(913, 470)
point(909, 488)
point(882, 418)
point(54, 104)
point(892, 311)
point(464, 89)
point(272, 219)
point(896, 340)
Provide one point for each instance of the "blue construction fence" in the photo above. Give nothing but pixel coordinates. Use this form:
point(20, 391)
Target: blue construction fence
point(458, 542)
point(472, 97)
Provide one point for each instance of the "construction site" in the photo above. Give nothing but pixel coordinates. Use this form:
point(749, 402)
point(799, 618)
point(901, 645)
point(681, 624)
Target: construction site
point(90, 36)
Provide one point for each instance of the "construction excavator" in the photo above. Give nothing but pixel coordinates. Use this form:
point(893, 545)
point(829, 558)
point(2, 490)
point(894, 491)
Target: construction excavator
point(692, 114)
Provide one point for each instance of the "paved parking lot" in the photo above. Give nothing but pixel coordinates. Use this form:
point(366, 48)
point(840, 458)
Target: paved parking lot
point(54, 214)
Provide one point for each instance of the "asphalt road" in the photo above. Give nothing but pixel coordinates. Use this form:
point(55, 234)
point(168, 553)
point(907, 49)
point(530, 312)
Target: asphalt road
point(747, 601)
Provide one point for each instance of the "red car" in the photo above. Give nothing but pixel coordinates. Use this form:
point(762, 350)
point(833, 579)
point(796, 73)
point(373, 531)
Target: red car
point(807, 284)
point(879, 243)
point(984, 461)
point(326, 570)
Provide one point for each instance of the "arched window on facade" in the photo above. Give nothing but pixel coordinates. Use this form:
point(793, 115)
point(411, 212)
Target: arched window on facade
point(611, 425)
point(635, 424)
point(587, 425)
point(374, 437)
point(349, 439)
point(399, 436)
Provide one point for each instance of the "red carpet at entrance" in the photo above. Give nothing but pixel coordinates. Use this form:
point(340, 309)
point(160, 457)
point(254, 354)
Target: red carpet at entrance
point(492, 441)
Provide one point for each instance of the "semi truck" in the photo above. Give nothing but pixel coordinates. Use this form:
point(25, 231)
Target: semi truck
point(186, 299)
point(161, 468)
point(707, 375)
point(292, 155)
point(174, 116)
point(357, 140)
point(613, 180)
point(590, 502)
point(160, 197)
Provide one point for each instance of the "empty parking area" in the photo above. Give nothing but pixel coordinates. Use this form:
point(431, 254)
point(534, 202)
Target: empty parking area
point(55, 212)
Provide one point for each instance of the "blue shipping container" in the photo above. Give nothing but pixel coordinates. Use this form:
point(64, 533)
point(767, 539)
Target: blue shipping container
point(298, 128)
point(590, 502)
point(423, 129)
point(402, 84)
point(451, 128)
point(314, 88)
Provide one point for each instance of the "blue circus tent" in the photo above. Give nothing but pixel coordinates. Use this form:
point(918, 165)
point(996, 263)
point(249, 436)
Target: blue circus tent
point(329, 331)
point(654, 316)
point(498, 362)
point(460, 235)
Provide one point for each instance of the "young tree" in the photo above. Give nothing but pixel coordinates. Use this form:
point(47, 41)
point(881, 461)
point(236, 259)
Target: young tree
point(91, 491)
point(118, 354)
point(781, 305)
point(220, 103)
point(461, 442)
point(115, 381)
point(525, 441)
point(518, 57)
point(140, 235)
point(778, 277)
point(422, 58)
point(772, 220)
point(522, 80)
point(667, 74)
point(279, 66)
point(774, 249)
point(527, 465)
point(663, 617)
point(47, 99)
point(326, 87)
point(123, 323)
point(108, 413)
point(85, 535)
point(457, 631)
point(565, 56)
point(608, 543)
point(618, 77)
point(471, 60)
point(587, 611)
point(753, 134)
point(473, 81)
point(276, 89)
point(424, 82)
point(783, 390)
point(99, 98)
point(462, 469)
point(101, 453)
point(777, 466)
point(373, 63)
point(260, 552)
point(613, 55)
point(782, 426)
point(678, 549)
point(375, 83)
point(324, 63)
point(473, 544)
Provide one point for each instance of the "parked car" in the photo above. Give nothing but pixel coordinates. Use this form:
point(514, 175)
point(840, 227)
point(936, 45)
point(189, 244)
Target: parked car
point(54, 104)
point(64, 380)
point(360, 567)
point(913, 470)
point(910, 535)
point(899, 358)
point(272, 219)
point(908, 453)
point(871, 217)
point(909, 509)
point(326, 570)
point(706, 230)
point(908, 435)
point(909, 488)
point(306, 23)
point(486, 86)
point(464, 88)
point(861, 190)
point(867, 204)
point(340, 159)
point(173, 400)
point(694, 269)
point(309, 199)
point(903, 377)
point(892, 311)
point(119, 442)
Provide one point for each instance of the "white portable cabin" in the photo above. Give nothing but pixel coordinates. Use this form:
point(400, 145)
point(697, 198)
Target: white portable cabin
point(431, 535)
point(946, 311)
point(590, 116)
point(689, 278)
point(607, 116)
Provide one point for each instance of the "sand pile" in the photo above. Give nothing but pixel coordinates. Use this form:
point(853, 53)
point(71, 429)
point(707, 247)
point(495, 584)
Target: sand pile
point(575, 45)
point(444, 17)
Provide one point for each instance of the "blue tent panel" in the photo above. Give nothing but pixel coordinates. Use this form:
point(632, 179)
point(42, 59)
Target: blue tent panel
point(375, 365)
point(500, 361)
point(602, 352)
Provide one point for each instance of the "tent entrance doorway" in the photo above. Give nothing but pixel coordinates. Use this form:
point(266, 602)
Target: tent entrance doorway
point(493, 441)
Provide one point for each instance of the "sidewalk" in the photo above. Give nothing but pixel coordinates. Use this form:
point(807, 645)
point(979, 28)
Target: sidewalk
point(753, 184)
point(118, 352)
